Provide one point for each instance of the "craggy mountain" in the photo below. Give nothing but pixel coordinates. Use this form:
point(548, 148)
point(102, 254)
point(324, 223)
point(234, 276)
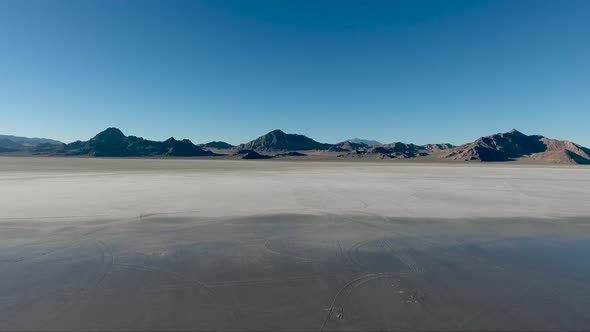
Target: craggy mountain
point(399, 150)
point(278, 140)
point(217, 145)
point(349, 146)
point(113, 143)
point(516, 145)
point(438, 147)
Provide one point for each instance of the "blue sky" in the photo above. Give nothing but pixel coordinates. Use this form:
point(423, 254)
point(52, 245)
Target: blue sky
point(415, 71)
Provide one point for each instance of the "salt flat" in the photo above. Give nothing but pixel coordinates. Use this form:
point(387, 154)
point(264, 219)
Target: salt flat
point(147, 244)
point(90, 188)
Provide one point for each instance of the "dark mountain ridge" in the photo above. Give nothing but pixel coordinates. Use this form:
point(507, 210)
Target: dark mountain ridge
point(278, 140)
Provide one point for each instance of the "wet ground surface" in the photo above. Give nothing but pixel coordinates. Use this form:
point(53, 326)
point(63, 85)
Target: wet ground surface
point(295, 272)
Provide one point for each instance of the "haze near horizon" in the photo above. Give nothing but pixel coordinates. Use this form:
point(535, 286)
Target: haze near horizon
point(420, 72)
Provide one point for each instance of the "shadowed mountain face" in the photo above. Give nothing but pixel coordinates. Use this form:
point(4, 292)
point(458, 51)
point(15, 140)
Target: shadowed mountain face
point(113, 143)
point(290, 154)
point(278, 140)
point(217, 145)
point(184, 148)
point(402, 147)
point(251, 154)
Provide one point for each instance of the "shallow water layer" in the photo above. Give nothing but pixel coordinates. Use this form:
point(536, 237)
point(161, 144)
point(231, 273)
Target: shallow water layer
point(295, 272)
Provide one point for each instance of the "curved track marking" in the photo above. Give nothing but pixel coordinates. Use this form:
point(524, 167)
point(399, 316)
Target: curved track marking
point(351, 285)
point(402, 257)
point(353, 253)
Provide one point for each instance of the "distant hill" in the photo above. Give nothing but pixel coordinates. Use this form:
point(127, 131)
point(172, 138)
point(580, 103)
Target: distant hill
point(514, 145)
point(368, 142)
point(251, 154)
point(9, 143)
point(27, 141)
point(278, 140)
point(113, 143)
point(24, 145)
point(397, 150)
point(348, 146)
point(6, 143)
point(291, 154)
point(438, 147)
point(217, 145)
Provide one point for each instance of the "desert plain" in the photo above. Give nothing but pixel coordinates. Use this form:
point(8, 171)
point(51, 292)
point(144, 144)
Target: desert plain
point(185, 244)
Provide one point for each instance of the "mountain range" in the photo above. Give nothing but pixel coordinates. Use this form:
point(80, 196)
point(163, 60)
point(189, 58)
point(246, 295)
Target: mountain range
point(501, 147)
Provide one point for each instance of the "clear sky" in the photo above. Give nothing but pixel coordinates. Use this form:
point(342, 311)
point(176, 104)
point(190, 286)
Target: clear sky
point(415, 71)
